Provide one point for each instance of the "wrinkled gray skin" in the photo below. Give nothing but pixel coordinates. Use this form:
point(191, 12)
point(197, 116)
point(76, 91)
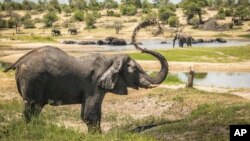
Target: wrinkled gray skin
point(182, 39)
point(48, 75)
point(72, 31)
point(55, 32)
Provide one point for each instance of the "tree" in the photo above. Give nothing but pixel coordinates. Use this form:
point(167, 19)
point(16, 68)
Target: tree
point(164, 13)
point(67, 11)
point(79, 4)
point(79, 15)
point(146, 7)
point(94, 5)
point(128, 9)
point(56, 5)
point(50, 18)
point(90, 21)
point(192, 7)
point(16, 21)
point(136, 3)
point(109, 4)
point(173, 21)
point(243, 11)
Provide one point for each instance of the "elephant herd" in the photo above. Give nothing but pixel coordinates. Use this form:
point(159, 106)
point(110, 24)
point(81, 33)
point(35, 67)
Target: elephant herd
point(57, 32)
point(108, 41)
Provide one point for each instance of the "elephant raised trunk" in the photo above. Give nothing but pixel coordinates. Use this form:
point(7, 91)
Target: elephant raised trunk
point(164, 64)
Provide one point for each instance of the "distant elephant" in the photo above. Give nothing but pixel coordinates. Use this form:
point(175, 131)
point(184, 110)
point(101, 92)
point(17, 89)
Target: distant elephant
point(221, 40)
point(101, 42)
point(55, 32)
point(86, 43)
point(236, 21)
point(115, 41)
point(183, 38)
point(48, 75)
point(72, 31)
point(69, 42)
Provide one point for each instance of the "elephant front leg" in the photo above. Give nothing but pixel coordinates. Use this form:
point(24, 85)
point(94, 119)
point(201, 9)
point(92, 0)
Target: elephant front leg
point(91, 114)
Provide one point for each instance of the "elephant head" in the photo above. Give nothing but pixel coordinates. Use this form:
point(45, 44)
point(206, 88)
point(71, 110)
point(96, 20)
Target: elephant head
point(125, 72)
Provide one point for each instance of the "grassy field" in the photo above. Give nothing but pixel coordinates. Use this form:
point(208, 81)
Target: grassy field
point(206, 54)
point(191, 114)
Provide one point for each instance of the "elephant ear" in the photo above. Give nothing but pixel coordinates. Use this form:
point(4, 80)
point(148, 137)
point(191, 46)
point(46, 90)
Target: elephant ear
point(111, 77)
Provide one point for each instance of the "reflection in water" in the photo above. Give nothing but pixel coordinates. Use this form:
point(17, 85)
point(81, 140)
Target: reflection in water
point(220, 79)
point(156, 44)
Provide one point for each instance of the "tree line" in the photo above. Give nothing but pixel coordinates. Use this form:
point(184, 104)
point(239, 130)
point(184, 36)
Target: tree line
point(88, 11)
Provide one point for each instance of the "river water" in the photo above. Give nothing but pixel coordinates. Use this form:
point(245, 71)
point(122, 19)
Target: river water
point(156, 44)
point(219, 79)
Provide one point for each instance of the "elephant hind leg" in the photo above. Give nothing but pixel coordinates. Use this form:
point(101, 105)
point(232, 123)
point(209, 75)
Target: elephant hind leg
point(31, 109)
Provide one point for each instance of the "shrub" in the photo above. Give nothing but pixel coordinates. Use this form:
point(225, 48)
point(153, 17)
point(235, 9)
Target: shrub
point(173, 21)
point(38, 20)
point(90, 21)
point(3, 23)
point(27, 16)
point(79, 15)
point(221, 16)
point(229, 12)
point(128, 10)
point(195, 22)
point(10, 23)
point(165, 13)
point(96, 14)
point(67, 11)
point(29, 23)
point(50, 18)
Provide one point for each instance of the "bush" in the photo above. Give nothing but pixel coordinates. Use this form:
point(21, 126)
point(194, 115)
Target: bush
point(173, 21)
point(165, 13)
point(229, 12)
point(195, 21)
point(221, 16)
point(90, 21)
point(79, 15)
point(29, 23)
point(38, 20)
point(10, 23)
point(112, 13)
point(3, 23)
point(50, 18)
point(96, 14)
point(128, 10)
point(67, 11)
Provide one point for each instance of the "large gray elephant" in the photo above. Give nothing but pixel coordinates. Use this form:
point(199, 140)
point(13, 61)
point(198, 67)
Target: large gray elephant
point(48, 75)
point(182, 39)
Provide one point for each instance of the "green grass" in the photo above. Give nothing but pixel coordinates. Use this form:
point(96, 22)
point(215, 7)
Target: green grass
point(245, 36)
point(205, 54)
point(207, 122)
point(31, 38)
point(171, 78)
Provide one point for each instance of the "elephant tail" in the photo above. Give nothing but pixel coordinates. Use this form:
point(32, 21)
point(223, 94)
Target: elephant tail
point(19, 61)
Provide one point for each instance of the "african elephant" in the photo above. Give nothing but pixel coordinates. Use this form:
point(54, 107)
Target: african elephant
point(101, 42)
point(72, 31)
point(183, 38)
point(115, 41)
point(236, 21)
point(55, 32)
point(48, 75)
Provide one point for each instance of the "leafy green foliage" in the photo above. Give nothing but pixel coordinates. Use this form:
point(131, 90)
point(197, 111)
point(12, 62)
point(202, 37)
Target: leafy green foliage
point(90, 20)
point(79, 15)
point(173, 21)
point(164, 13)
point(29, 23)
point(50, 18)
point(128, 9)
